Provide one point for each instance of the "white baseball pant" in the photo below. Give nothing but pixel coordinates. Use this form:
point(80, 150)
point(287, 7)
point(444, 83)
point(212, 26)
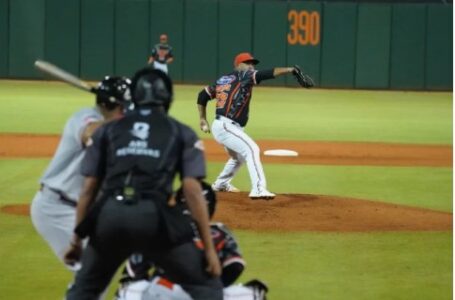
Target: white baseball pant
point(242, 149)
point(54, 220)
point(160, 66)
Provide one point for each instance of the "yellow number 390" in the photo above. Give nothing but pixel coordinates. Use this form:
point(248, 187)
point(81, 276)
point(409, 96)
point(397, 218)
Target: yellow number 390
point(304, 27)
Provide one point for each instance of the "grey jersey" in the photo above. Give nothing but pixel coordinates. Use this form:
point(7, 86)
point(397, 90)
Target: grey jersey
point(64, 172)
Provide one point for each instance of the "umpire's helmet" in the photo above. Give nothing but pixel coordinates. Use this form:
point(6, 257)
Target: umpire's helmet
point(209, 195)
point(151, 87)
point(113, 91)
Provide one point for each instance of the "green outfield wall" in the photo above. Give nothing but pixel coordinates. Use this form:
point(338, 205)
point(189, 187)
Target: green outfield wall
point(4, 26)
point(340, 44)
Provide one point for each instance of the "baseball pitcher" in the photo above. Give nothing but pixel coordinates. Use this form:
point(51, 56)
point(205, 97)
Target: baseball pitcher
point(233, 93)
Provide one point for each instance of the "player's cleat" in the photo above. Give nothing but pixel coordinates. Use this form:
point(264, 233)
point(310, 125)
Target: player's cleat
point(255, 195)
point(225, 188)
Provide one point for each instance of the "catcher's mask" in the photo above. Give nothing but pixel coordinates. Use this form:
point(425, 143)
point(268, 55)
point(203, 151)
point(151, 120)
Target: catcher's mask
point(113, 91)
point(209, 195)
point(151, 87)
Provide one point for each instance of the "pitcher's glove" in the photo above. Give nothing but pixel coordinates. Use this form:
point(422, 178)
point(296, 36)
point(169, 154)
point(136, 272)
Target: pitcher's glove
point(303, 79)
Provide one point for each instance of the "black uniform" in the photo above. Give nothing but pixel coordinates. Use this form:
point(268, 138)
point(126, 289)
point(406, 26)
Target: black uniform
point(233, 94)
point(226, 247)
point(138, 157)
point(162, 52)
point(228, 252)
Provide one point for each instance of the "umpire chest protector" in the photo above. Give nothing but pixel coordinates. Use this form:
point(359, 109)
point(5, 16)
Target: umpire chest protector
point(144, 149)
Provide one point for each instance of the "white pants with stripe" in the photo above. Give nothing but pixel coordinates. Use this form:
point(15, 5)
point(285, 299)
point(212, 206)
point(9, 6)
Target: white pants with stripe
point(241, 149)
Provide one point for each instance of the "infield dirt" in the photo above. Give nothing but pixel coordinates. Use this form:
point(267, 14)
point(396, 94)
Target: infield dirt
point(297, 212)
point(320, 153)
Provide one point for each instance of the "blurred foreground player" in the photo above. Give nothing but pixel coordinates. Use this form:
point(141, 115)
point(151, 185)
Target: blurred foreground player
point(129, 169)
point(53, 209)
point(138, 284)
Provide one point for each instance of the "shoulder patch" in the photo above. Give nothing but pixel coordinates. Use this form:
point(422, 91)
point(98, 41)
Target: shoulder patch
point(226, 79)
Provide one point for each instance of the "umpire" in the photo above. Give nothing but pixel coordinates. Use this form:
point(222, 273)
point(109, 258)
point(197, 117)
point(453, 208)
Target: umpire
point(129, 169)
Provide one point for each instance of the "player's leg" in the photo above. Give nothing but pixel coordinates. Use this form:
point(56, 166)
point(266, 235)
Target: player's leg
point(244, 292)
point(133, 291)
point(161, 288)
point(120, 229)
point(184, 264)
point(98, 268)
point(223, 181)
point(234, 138)
point(54, 220)
point(238, 292)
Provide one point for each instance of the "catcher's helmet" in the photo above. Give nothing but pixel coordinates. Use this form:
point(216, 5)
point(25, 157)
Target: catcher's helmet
point(151, 87)
point(113, 91)
point(209, 195)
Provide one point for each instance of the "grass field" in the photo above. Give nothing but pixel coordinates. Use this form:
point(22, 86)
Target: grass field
point(309, 265)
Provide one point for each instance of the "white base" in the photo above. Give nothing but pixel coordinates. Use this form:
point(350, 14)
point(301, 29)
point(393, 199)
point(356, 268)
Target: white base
point(280, 152)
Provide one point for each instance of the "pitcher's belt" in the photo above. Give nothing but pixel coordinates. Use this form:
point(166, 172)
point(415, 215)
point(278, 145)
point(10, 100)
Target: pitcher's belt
point(227, 120)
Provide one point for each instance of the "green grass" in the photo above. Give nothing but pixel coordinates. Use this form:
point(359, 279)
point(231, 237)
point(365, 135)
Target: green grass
point(392, 265)
point(295, 265)
point(351, 266)
point(276, 113)
point(30, 270)
point(423, 187)
point(22, 181)
point(312, 266)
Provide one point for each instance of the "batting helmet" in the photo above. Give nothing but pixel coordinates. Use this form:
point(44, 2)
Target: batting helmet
point(113, 91)
point(209, 195)
point(151, 87)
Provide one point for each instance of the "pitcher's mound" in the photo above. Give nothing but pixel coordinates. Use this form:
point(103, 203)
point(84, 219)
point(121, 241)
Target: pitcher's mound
point(294, 212)
point(16, 209)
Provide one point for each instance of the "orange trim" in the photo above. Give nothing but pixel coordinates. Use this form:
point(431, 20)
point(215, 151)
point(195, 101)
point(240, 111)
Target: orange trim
point(166, 283)
point(199, 244)
point(220, 245)
point(244, 104)
point(230, 98)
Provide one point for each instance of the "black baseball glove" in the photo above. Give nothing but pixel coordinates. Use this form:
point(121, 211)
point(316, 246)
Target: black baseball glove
point(303, 79)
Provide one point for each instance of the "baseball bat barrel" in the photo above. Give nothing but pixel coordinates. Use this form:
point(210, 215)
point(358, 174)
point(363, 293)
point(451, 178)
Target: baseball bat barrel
point(63, 75)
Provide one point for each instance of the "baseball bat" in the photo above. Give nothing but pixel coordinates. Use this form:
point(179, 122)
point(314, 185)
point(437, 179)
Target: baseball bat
point(63, 75)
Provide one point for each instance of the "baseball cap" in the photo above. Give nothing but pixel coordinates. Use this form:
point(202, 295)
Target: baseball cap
point(245, 57)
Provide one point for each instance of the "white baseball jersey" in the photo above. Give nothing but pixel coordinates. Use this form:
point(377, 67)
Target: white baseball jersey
point(52, 217)
point(64, 172)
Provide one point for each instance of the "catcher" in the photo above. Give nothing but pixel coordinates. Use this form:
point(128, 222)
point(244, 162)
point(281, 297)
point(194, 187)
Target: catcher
point(137, 284)
point(233, 94)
